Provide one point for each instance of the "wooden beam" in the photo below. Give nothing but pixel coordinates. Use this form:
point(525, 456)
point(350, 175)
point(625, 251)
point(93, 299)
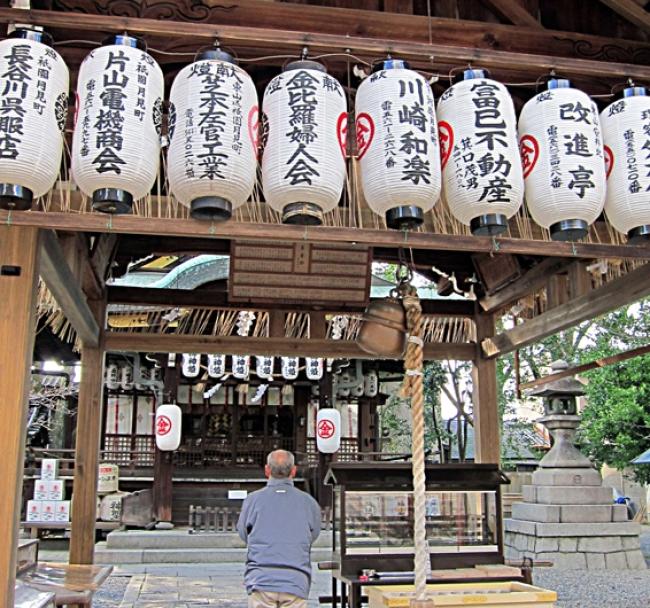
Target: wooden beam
point(89, 423)
point(210, 298)
point(235, 345)
point(417, 52)
point(19, 251)
point(533, 280)
point(622, 291)
point(630, 11)
point(63, 285)
point(515, 13)
point(487, 446)
point(585, 367)
point(122, 224)
point(353, 23)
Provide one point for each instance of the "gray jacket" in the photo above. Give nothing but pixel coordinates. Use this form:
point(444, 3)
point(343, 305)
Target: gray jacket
point(279, 523)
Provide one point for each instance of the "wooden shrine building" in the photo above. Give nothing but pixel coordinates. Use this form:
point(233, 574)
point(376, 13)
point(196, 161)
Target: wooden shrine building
point(61, 262)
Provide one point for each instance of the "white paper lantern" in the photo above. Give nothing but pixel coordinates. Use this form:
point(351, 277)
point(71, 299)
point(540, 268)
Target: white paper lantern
point(34, 83)
point(371, 384)
point(626, 137)
point(126, 377)
point(303, 163)
point(213, 133)
point(314, 368)
point(191, 365)
point(116, 143)
point(168, 427)
point(113, 376)
point(481, 171)
point(328, 430)
point(562, 156)
point(216, 365)
point(241, 366)
point(264, 367)
point(397, 144)
point(290, 367)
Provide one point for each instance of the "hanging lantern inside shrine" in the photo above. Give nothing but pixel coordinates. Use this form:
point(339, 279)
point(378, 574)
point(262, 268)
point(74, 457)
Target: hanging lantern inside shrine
point(328, 430)
point(481, 172)
point(216, 365)
point(34, 82)
point(213, 126)
point(626, 124)
point(397, 144)
point(562, 156)
point(290, 367)
point(168, 427)
point(264, 367)
point(303, 162)
point(191, 365)
point(116, 144)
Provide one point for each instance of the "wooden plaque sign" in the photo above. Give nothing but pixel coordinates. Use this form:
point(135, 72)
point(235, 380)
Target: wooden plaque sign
point(298, 272)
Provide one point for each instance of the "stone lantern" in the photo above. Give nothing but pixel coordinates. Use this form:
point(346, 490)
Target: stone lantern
point(561, 419)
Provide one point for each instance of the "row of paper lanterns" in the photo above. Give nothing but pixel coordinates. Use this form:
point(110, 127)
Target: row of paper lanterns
point(470, 148)
point(241, 366)
point(169, 423)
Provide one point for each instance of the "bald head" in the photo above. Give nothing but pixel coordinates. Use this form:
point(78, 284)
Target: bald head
point(280, 464)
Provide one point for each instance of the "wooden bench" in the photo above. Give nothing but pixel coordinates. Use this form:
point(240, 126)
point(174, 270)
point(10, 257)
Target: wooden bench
point(70, 584)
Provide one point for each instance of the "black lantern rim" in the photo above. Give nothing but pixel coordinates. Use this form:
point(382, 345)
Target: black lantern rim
point(215, 54)
point(406, 217)
point(489, 224)
point(112, 200)
point(211, 208)
point(15, 198)
point(569, 230)
point(27, 33)
point(125, 40)
point(639, 235)
point(302, 214)
point(305, 64)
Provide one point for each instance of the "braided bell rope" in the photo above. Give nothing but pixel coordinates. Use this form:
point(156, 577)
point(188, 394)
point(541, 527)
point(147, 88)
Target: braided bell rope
point(413, 388)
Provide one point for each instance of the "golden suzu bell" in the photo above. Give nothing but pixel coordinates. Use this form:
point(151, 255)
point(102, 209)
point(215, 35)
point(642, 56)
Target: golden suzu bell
point(383, 329)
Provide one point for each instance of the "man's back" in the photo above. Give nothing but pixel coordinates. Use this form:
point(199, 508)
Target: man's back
point(279, 524)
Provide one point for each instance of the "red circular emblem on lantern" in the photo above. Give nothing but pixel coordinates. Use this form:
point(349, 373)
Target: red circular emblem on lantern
point(365, 128)
point(529, 151)
point(446, 135)
point(326, 429)
point(609, 161)
point(163, 425)
point(254, 127)
point(342, 132)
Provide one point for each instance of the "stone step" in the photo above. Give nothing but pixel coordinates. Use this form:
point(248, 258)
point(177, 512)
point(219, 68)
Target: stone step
point(568, 495)
point(569, 513)
point(106, 555)
point(182, 539)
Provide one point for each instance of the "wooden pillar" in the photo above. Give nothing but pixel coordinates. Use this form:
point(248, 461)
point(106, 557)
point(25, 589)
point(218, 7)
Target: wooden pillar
point(19, 248)
point(163, 466)
point(89, 425)
point(487, 447)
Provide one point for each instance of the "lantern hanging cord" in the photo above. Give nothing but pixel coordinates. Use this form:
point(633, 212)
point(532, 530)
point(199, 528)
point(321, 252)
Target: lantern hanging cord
point(413, 388)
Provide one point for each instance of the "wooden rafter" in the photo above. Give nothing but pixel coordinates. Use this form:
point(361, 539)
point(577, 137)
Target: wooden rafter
point(514, 12)
point(585, 367)
point(630, 11)
point(123, 224)
point(419, 53)
point(236, 345)
point(619, 292)
point(534, 279)
point(63, 285)
point(150, 296)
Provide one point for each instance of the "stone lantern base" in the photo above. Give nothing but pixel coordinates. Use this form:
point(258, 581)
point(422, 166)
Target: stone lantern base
point(568, 518)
